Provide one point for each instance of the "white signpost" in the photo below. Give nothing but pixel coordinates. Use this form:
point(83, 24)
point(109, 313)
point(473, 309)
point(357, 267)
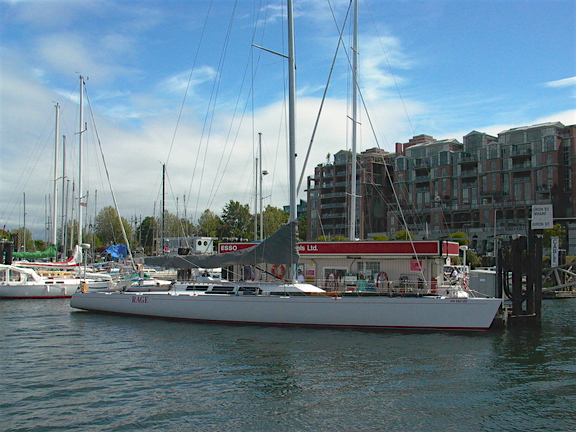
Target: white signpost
point(542, 217)
point(554, 251)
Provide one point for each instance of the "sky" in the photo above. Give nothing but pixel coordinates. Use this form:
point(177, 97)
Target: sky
point(183, 84)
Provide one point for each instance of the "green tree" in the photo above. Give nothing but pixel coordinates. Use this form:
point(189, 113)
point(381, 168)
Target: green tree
point(460, 237)
point(237, 220)
point(4, 235)
point(556, 231)
point(273, 218)
point(107, 227)
point(146, 232)
point(170, 224)
point(303, 227)
point(23, 240)
point(40, 245)
point(403, 235)
point(380, 237)
point(208, 224)
point(92, 239)
point(71, 229)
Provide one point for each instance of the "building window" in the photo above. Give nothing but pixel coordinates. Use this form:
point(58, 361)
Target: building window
point(368, 269)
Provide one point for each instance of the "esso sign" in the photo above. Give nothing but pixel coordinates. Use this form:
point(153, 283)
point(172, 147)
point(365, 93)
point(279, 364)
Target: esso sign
point(228, 248)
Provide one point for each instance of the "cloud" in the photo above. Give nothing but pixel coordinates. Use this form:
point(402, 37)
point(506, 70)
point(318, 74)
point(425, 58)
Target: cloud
point(566, 82)
point(179, 82)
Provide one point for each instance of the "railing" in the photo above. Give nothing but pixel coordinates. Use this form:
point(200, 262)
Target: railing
point(387, 288)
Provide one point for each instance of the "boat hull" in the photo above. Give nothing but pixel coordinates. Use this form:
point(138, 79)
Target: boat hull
point(39, 291)
point(320, 310)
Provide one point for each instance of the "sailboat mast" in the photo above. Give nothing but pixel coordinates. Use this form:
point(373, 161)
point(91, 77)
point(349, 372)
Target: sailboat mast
point(292, 113)
point(80, 160)
point(353, 186)
point(260, 174)
point(163, 203)
point(64, 196)
point(256, 198)
point(55, 198)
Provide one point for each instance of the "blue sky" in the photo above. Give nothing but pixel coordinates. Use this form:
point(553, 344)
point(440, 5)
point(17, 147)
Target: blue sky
point(179, 83)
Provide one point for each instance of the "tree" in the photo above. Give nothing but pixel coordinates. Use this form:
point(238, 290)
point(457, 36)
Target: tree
point(556, 231)
point(146, 232)
point(273, 218)
point(92, 239)
point(23, 237)
point(460, 237)
point(107, 227)
point(380, 237)
point(403, 235)
point(303, 227)
point(208, 224)
point(236, 220)
point(171, 225)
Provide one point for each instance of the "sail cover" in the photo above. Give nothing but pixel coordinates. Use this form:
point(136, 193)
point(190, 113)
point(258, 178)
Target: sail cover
point(279, 248)
point(117, 251)
point(48, 253)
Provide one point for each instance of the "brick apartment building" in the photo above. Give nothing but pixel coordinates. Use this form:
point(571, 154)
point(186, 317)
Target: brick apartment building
point(483, 186)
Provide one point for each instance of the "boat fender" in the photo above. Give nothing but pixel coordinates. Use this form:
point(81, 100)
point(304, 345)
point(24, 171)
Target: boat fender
point(278, 270)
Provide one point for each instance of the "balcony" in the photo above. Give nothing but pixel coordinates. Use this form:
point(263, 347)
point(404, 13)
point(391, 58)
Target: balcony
point(468, 158)
point(333, 215)
point(333, 195)
point(519, 152)
point(420, 163)
point(527, 165)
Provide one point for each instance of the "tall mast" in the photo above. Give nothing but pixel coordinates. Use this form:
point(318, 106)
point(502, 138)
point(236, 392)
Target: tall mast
point(55, 198)
point(64, 196)
point(353, 186)
point(292, 113)
point(256, 197)
point(80, 161)
point(260, 174)
point(24, 229)
point(163, 203)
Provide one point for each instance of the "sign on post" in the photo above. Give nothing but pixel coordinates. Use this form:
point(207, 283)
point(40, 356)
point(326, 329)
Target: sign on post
point(542, 217)
point(554, 251)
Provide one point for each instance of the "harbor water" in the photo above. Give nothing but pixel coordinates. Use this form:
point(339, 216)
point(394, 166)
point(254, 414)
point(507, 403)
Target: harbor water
point(64, 369)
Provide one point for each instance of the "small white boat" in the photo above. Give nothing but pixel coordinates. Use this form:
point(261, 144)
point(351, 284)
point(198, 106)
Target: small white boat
point(24, 283)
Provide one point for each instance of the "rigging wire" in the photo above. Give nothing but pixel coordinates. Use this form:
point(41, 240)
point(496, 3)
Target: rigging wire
point(110, 182)
point(323, 96)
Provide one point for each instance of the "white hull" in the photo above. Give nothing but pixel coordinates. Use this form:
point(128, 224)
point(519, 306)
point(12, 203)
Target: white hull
point(314, 310)
point(23, 283)
point(32, 291)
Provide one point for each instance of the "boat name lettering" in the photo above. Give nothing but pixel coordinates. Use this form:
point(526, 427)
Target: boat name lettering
point(229, 248)
point(139, 299)
point(458, 301)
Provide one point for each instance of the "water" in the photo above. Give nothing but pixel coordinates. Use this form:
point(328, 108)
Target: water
point(63, 369)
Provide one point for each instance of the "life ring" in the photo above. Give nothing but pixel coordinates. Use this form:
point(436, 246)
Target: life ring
point(278, 270)
point(382, 277)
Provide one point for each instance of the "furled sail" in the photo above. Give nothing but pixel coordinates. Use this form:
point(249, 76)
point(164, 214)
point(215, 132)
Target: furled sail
point(279, 248)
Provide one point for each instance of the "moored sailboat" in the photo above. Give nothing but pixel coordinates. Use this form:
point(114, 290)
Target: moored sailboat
point(288, 302)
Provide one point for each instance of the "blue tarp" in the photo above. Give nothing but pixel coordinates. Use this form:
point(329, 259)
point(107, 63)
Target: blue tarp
point(117, 251)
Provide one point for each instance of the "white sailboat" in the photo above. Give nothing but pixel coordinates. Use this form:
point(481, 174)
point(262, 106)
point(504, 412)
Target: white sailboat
point(291, 303)
point(26, 283)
